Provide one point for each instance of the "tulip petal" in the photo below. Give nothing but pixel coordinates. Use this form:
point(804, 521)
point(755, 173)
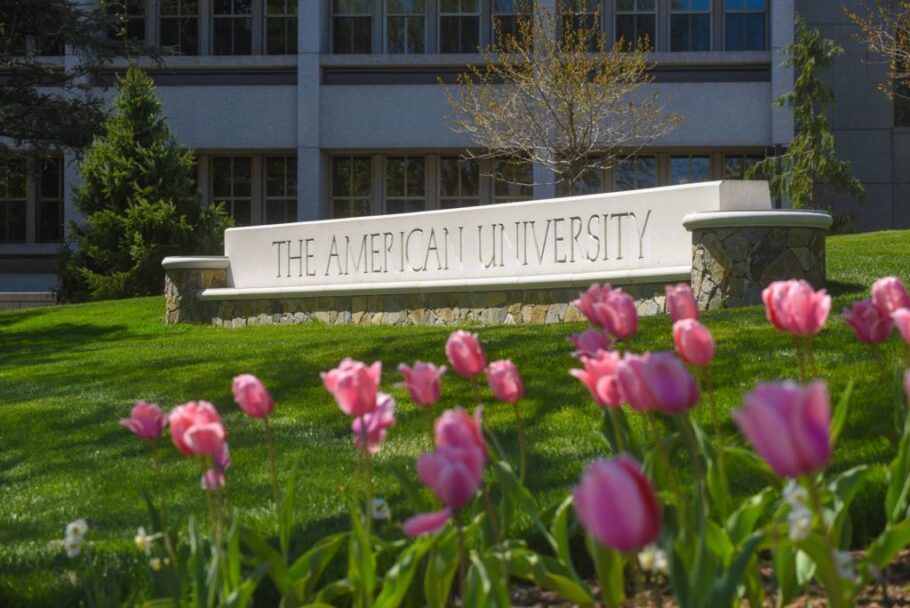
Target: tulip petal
point(426, 523)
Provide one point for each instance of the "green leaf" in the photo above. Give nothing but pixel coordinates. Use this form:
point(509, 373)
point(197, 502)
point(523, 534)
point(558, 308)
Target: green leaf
point(889, 543)
point(719, 543)
point(898, 493)
point(844, 488)
point(398, 579)
point(305, 572)
point(840, 413)
point(548, 573)
point(724, 591)
point(522, 498)
point(411, 490)
point(266, 553)
point(560, 531)
point(741, 522)
point(361, 562)
point(440, 571)
point(609, 566)
point(477, 585)
point(286, 518)
point(785, 573)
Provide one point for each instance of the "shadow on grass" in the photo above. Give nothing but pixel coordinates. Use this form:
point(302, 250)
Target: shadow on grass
point(842, 288)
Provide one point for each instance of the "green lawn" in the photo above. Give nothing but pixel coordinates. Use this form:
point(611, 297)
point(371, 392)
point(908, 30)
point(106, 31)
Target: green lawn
point(69, 373)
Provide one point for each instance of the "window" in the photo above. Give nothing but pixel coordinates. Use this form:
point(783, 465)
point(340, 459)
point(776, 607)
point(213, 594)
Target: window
point(459, 26)
point(589, 182)
point(179, 25)
point(281, 27)
point(636, 22)
point(745, 25)
point(50, 201)
point(507, 17)
point(405, 26)
point(280, 189)
point(13, 199)
point(405, 184)
point(901, 111)
point(736, 165)
point(352, 26)
point(689, 169)
point(513, 181)
point(351, 186)
point(634, 173)
point(232, 27)
point(459, 182)
point(232, 178)
point(690, 25)
point(580, 16)
point(127, 19)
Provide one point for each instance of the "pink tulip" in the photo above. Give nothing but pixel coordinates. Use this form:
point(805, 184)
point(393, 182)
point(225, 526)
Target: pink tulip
point(795, 308)
point(619, 314)
point(354, 386)
point(617, 504)
point(205, 439)
point(452, 474)
point(456, 429)
point(788, 425)
point(252, 397)
point(146, 420)
point(599, 376)
point(889, 295)
point(465, 354)
point(370, 429)
point(589, 342)
point(422, 381)
point(901, 319)
point(672, 388)
point(870, 325)
point(694, 342)
point(505, 381)
point(681, 302)
point(426, 523)
point(213, 479)
point(188, 416)
point(596, 294)
point(632, 384)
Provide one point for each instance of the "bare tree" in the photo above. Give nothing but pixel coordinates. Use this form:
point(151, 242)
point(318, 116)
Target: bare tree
point(885, 29)
point(554, 94)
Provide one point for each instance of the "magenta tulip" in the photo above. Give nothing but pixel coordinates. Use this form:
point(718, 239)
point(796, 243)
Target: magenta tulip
point(619, 314)
point(788, 425)
point(596, 294)
point(465, 354)
point(869, 324)
point(422, 382)
point(252, 397)
point(617, 504)
point(681, 302)
point(672, 388)
point(205, 439)
point(889, 295)
point(189, 416)
point(901, 320)
point(354, 386)
point(426, 523)
point(694, 342)
point(456, 429)
point(599, 376)
point(505, 381)
point(632, 384)
point(370, 429)
point(452, 474)
point(146, 420)
point(213, 479)
point(589, 342)
point(795, 308)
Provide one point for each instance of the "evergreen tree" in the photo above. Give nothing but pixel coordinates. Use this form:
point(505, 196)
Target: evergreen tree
point(139, 201)
point(811, 157)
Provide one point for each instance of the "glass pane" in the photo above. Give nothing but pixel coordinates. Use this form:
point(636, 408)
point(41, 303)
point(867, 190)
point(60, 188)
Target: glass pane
point(291, 35)
point(361, 177)
point(50, 179)
point(416, 181)
point(646, 29)
point(275, 7)
point(290, 211)
point(754, 32)
point(362, 32)
point(679, 32)
point(396, 33)
point(341, 177)
point(50, 221)
point(625, 5)
point(733, 167)
point(15, 222)
point(470, 178)
point(240, 211)
point(647, 172)
point(701, 33)
point(646, 5)
point(221, 177)
point(700, 5)
point(221, 37)
point(242, 177)
point(679, 170)
point(189, 37)
point(415, 35)
point(733, 32)
point(404, 206)
point(756, 5)
point(274, 177)
point(448, 176)
point(243, 36)
point(291, 175)
point(15, 178)
point(700, 170)
point(276, 44)
point(243, 7)
point(169, 33)
point(222, 7)
point(394, 176)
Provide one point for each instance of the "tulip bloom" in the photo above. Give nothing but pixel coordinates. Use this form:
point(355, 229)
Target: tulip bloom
point(694, 342)
point(795, 308)
point(596, 294)
point(681, 302)
point(599, 376)
point(612, 309)
point(426, 523)
point(146, 420)
point(370, 429)
point(465, 354)
point(354, 386)
point(454, 475)
point(617, 504)
point(191, 417)
point(632, 384)
point(456, 429)
point(252, 397)
point(889, 295)
point(901, 319)
point(788, 425)
point(505, 381)
point(422, 381)
point(672, 388)
point(589, 342)
point(870, 325)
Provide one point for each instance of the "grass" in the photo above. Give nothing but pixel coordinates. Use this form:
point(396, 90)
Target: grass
point(69, 373)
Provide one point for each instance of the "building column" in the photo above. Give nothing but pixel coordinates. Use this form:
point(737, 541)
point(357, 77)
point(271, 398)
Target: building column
point(782, 27)
point(312, 37)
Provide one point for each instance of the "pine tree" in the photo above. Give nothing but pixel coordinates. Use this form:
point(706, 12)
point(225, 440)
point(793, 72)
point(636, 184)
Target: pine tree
point(139, 201)
point(811, 157)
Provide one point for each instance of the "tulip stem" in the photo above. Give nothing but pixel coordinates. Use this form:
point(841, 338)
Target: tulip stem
point(694, 454)
point(491, 514)
point(671, 472)
point(462, 565)
point(718, 440)
point(836, 593)
point(522, 443)
point(617, 430)
point(431, 424)
point(799, 359)
point(882, 364)
point(477, 395)
point(274, 470)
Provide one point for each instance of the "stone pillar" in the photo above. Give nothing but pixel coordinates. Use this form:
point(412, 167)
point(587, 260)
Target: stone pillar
point(184, 279)
point(735, 255)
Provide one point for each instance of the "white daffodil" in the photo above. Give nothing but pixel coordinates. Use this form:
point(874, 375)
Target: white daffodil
point(73, 546)
point(795, 495)
point(76, 529)
point(800, 521)
point(381, 509)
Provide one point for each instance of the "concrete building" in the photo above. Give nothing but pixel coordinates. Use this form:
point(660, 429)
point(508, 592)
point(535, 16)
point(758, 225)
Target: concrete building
point(307, 109)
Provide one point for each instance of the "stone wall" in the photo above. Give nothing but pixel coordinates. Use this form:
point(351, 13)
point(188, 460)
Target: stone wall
point(732, 265)
point(181, 292)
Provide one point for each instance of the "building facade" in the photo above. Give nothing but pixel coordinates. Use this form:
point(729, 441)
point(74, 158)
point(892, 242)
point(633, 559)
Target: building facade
point(310, 109)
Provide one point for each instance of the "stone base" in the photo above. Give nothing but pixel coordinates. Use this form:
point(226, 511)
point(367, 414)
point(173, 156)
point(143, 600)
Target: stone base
point(514, 307)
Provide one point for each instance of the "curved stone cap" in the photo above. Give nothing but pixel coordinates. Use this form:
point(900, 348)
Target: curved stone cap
point(755, 219)
point(213, 262)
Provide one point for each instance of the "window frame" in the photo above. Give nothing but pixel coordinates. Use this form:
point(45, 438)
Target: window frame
point(744, 11)
point(7, 202)
point(569, 10)
point(289, 195)
point(710, 12)
point(515, 14)
point(440, 15)
point(334, 15)
point(351, 198)
point(255, 18)
point(405, 198)
point(180, 18)
point(655, 13)
point(461, 196)
point(290, 17)
point(387, 15)
point(636, 158)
